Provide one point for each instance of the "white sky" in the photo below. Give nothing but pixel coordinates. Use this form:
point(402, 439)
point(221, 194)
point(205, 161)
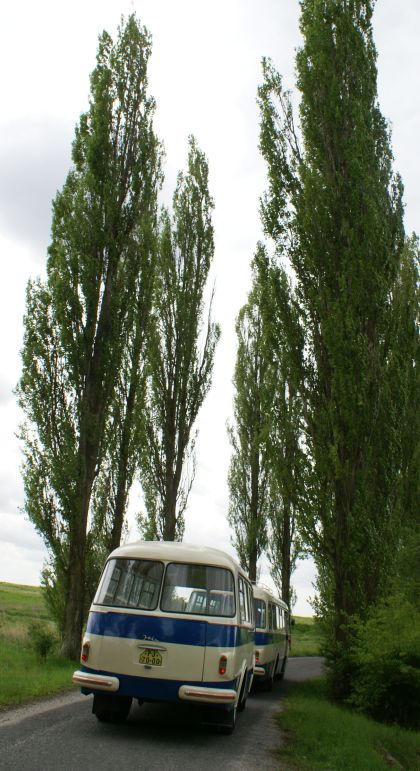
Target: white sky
point(204, 74)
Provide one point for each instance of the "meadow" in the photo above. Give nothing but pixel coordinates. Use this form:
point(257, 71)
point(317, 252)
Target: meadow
point(24, 675)
point(306, 637)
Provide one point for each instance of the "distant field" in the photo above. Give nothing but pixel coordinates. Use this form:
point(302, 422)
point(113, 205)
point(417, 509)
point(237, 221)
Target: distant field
point(19, 606)
point(306, 637)
point(23, 676)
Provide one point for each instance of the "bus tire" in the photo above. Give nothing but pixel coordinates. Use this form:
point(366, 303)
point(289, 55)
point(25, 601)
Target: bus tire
point(243, 695)
point(269, 682)
point(228, 726)
point(111, 709)
point(283, 667)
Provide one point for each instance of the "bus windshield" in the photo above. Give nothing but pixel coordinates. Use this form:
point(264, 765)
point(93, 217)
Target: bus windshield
point(198, 589)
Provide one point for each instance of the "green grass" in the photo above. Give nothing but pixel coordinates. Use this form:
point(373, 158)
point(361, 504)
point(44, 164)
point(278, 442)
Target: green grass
point(306, 637)
point(23, 676)
point(321, 735)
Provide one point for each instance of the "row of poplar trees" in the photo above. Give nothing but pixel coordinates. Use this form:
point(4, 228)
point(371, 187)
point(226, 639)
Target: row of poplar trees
point(326, 455)
point(117, 357)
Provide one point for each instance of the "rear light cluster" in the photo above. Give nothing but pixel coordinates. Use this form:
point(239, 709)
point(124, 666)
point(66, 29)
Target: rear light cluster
point(222, 665)
point(85, 652)
point(257, 657)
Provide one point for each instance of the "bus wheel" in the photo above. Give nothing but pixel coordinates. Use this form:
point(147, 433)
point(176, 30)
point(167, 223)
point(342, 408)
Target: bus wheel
point(283, 667)
point(229, 723)
point(243, 696)
point(269, 682)
point(111, 708)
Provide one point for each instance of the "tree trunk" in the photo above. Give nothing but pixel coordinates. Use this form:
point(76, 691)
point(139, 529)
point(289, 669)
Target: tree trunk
point(169, 528)
point(76, 586)
point(252, 567)
point(285, 556)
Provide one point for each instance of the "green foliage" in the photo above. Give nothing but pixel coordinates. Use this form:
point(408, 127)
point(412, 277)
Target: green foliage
point(42, 639)
point(266, 469)
point(386, 655)
point(334, 211)
point(321, 735)
point(77, 323)
point(180, 351)
point(251, 500)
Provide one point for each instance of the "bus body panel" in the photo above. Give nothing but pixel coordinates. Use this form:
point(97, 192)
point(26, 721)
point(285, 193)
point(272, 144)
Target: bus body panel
point(271, 634)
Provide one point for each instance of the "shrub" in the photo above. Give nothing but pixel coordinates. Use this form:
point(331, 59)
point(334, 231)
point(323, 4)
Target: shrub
point(42, 639)
point(386, 656)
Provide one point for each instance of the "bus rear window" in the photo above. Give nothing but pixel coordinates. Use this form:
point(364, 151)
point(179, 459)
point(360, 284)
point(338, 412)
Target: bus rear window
point(130, 584)
point(198, 589)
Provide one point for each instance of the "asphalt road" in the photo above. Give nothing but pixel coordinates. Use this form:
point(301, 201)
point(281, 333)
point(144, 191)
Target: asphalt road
point(61, 733)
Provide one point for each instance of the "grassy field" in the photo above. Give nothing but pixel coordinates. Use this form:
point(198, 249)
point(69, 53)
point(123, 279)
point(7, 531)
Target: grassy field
point(306, 637)
point(23, 675)
point(320, 735)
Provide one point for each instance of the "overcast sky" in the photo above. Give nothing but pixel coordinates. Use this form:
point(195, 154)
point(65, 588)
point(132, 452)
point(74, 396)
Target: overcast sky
point(204, 74)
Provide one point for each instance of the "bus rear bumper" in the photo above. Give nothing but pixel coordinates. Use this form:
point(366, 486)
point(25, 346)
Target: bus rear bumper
point(96, 682)
point(260, 671)
point(207, 695)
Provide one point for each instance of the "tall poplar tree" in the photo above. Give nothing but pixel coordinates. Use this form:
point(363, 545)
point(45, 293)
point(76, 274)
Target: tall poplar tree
point(334, 209)
point(285, 341)
point(125, 426)
point(180, 351)
point(267, 470)
point(250, 502)
point(76, 321)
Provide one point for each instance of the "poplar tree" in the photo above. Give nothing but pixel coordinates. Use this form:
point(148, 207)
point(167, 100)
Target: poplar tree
point(334, 210)
point(181, 351)
point(285, 341)
point(125, 426)
point(76, 321)
point(267, 471)
point(250, 502)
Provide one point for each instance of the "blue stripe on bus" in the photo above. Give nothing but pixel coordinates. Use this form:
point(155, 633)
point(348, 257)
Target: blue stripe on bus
point(149, 689)
point(269, 638)
point(170, 630)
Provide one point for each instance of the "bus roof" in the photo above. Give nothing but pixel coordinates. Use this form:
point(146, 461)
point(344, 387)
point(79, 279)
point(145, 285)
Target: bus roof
point(175, 551)
point(264, 593)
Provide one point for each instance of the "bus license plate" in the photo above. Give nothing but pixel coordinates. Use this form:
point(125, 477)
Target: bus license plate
point(151, 657)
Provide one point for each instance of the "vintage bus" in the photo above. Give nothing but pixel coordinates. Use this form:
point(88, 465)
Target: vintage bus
point(169, 622)
point(272, 636)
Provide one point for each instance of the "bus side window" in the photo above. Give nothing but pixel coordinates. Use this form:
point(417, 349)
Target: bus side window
point(250, 604)
point(244, 602)
point(242, 606)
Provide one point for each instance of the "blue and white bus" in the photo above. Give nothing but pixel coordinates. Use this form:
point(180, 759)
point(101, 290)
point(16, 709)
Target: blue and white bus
point(169, 622)
point(272, 636)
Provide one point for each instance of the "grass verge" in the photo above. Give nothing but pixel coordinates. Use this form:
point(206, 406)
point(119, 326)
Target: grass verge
point(306, 637)
point(23, 676)
point(321, 735)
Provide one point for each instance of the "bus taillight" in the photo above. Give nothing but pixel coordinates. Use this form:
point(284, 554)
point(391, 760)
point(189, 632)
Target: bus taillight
point(222, 665)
